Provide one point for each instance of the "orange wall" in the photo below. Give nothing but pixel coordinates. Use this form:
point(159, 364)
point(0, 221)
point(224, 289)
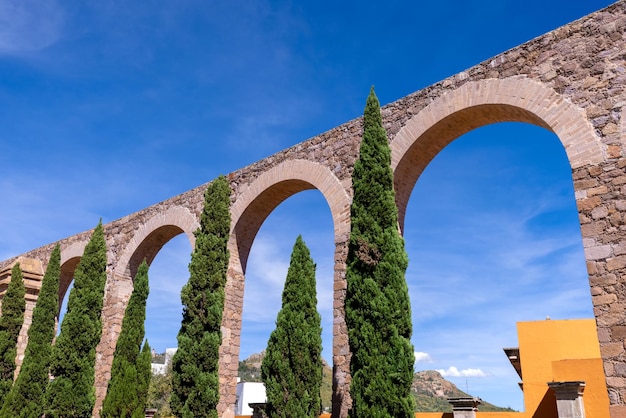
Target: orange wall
point(545, 343)
point(591, 371)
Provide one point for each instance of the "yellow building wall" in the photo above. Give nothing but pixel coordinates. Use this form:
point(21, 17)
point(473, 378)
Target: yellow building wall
point(556, 350)
point(545, 343)
point(591, 371)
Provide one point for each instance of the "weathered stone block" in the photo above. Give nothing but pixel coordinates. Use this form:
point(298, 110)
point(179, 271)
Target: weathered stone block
point(608, 319)
point(618, 332)
point(597, 253)
point(616, 263)
point(604, 299)
point(611, 349)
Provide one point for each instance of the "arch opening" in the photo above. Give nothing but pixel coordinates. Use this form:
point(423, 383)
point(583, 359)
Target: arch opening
point(70, 257)
point(167, 250)
point(167, 275)
point(305, 213)
point(65, 281)
point(166, 243)
point(150, 247)
point(484, 102)
point(493, 238)
point(254, 204)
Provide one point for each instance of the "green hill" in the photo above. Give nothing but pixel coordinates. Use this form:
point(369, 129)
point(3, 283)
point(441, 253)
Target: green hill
point(431, 391)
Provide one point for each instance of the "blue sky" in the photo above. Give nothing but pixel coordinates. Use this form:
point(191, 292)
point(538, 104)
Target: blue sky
point(111, 106)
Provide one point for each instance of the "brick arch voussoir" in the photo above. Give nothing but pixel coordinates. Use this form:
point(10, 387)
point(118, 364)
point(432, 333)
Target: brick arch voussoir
point(70, 257)
point(479, 103)
point(272, 187)
point(150, 237)
point(73, 251)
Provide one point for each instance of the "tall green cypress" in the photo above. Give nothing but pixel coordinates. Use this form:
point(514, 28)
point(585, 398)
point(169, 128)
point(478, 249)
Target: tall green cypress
point(292, 366)
point(13, 307)
point(378, 311)
point(144, 373)
point(26, 397)
point(124, 397)
point(195, 380)
point(71, 393)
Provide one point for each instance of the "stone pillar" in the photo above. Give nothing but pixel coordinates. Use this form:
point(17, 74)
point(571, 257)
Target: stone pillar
point(231, 337)
point(32, 273)
point(116, 295)
point(600, 200)
point(464, 407)
point(569, 398)
point(341, 399)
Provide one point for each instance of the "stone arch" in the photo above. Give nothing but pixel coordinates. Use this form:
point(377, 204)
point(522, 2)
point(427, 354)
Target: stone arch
point(145, 243)
point(254, 203)
point(515, 99)
point(153, 235)
point(479, 103)
point(261, 197)
point(70, 257)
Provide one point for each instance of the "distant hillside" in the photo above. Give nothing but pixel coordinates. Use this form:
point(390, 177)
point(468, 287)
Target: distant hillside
point(431, 391)
point(429, 388)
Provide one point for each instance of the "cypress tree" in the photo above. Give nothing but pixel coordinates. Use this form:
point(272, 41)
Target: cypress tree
point(26, 397)
point(195, 380)
point(292, 366)
point(13, 307)
point(144, 373)
point(71, 393)
point(378, 312)
point(126, 394)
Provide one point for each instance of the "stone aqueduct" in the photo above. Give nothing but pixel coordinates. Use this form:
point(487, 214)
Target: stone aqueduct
point(570, 81)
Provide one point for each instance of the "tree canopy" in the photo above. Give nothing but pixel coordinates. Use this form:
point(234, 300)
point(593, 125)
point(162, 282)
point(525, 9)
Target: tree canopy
point(26, 397)
point(292, 366)
point(130, 374)
point(195, 380)
point(71, 392)
point(378, 311)
point(13, 307)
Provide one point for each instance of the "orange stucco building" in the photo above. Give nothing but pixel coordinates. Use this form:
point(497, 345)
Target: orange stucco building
point(554, 351)
point(561, 351)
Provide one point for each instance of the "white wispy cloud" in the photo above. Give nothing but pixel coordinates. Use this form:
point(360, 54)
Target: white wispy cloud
point(268, 264)
point(37, 211)
point(29, 25)
point(265, 277)
point(422, 357)
point(454, 372)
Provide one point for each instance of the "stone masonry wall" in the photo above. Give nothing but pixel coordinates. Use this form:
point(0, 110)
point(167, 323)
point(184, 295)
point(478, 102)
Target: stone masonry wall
point(583, 63)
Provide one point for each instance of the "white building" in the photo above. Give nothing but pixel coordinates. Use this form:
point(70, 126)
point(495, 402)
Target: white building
point(158, 368)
